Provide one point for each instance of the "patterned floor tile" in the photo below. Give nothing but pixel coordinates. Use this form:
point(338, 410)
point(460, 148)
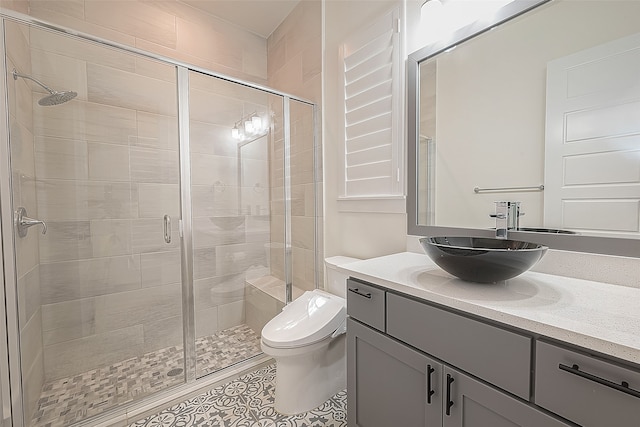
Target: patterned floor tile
point(248, 402)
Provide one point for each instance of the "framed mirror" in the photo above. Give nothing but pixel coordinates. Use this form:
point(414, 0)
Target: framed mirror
point(538, 104)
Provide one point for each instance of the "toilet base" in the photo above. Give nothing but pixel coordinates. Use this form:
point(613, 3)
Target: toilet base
point(307, 377)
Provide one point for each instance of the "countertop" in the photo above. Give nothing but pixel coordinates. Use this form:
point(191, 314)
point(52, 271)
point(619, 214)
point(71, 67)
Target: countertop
point(593, 315)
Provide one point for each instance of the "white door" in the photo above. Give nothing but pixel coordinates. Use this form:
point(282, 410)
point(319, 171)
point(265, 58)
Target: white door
point(592, 147)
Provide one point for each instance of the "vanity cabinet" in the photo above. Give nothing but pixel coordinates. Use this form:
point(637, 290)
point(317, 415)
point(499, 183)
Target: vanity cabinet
point(400, 373)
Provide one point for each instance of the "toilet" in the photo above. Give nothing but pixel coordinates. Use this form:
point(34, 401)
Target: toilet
point(308, 342)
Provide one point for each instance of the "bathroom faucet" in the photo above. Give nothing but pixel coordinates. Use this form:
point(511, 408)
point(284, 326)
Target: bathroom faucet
point(507, 218)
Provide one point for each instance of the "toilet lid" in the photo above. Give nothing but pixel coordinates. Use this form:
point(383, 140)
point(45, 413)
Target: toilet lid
point(312, 317)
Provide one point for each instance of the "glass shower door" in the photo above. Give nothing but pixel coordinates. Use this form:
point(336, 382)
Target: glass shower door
point(233, 133)
point(99, 293)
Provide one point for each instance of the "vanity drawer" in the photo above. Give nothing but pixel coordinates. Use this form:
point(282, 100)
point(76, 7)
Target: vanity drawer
point(498, 356)
point(583, 389)
point(366, 303)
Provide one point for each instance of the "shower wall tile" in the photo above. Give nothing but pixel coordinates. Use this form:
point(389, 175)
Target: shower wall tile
point(135, 18)
point(204, 263)
point(70, 280)
point(209, 107)
point(235, 259)
point(27, 252)
point(160, 268)
point(160, 166)
point(108, 162)
point(74, 8)
point(24, 107)
point(207, 322)
point(209, 170)
point(302, 232)
point(61, 159)
point(204, 41)
point(155, 69)
point(231, 314)
point(302, 167)
point(215, 291)
point(17, 47)
point(32, 381)
point(157, 200)
point(65, 240)
point(68, 320)
point(260, 307)
point(22, 150)
point(212, 232)
point(207, 138)
point(28, 295)
point(163, 333)
point(110, 238)
point(303, 268)
point(60, 200)
point(87, 121)
point(59, 72)
point(72, 357)
point(129, 90)
point(214, 200)
point(157, 131)
point(147, 235)
point(21, 6)
point(255, 200)
point(31, 340)
point(125, 309)
point(46, 41)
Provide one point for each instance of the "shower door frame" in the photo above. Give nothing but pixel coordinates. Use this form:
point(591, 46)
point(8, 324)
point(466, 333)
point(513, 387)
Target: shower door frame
point(10, 363)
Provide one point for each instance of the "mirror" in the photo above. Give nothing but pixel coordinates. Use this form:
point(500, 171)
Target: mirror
point(539, 104)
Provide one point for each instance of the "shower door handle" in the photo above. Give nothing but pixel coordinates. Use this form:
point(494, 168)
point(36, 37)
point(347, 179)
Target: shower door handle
point(23, 222)
point(167, 229)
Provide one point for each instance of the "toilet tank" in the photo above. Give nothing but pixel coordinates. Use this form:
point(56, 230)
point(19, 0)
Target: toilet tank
point(336, 280)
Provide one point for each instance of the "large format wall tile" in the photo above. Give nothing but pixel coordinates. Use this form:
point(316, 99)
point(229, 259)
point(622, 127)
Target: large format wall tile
point(157, 131)
point(59, 72)
point(163, 333)
point(61, 159)
point(215, 291)
point(64, 281)
point(160, 268)
point(72, 357)
point(87, 121)
point(215, 200)
point(129, 90)
point(108, 162)
point(135, 18)
point(68, 320)
point(148, 236)
point(160, 166)
point(28, 295)
point(208, 138)
point(157, 200)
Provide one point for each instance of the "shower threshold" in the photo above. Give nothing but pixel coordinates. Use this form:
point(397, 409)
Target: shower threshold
point(69, 400)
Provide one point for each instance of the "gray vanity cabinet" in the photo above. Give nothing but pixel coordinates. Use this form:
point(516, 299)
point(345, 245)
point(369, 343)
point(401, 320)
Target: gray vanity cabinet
point(470, 403)
point(410, 364)
point(388, 383)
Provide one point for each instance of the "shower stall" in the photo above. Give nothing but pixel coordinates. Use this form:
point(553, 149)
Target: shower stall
point(154, 217)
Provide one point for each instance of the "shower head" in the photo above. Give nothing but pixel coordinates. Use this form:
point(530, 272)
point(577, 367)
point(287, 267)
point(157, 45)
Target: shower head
point(54, 97)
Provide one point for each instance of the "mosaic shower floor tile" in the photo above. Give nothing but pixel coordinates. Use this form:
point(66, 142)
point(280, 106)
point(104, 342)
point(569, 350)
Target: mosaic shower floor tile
point(247, 402)
point(68, 400)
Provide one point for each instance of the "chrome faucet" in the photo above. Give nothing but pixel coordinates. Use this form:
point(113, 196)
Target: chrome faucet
point(507, 218)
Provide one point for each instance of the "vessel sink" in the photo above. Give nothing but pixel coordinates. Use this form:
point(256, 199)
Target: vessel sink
point(481, 259)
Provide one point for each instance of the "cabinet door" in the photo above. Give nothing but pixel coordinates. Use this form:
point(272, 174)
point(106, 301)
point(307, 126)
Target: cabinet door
point(388, 383)
point(470, 403)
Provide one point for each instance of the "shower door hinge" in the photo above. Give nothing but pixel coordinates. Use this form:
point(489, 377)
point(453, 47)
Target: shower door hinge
point(180, 228)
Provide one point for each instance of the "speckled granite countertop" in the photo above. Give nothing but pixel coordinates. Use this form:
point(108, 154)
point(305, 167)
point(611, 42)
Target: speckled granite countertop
point(593, 315)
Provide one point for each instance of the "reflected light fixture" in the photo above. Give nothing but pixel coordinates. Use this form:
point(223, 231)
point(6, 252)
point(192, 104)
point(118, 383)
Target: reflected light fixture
point(249, 127)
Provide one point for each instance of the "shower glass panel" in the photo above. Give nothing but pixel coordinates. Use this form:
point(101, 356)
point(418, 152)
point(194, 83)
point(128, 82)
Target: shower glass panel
point(99, 295)
point(231, 132)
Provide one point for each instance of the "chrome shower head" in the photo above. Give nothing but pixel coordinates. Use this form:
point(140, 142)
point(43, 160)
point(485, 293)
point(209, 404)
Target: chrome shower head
point(54, 97)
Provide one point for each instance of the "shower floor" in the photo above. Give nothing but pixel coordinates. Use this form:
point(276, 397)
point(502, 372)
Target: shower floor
point(69, 400)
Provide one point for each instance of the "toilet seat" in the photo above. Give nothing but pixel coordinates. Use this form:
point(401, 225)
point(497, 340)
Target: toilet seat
point(314, 316)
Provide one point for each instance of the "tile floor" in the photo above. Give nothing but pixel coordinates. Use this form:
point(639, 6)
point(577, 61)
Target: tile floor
point(246, 402)
point(68, 400)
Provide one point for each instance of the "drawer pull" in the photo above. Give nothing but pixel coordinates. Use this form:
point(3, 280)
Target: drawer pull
point(356, 291)
point(430, 391)
point(449, 401)
point(624, 387)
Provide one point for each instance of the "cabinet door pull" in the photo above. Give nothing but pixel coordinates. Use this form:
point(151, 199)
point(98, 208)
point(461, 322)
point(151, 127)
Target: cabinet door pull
point(449, 401)
point(356, 291)
point(623, 387)
point(430, 391)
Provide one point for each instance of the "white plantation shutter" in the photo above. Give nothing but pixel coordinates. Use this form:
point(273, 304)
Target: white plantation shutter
point(372, 149)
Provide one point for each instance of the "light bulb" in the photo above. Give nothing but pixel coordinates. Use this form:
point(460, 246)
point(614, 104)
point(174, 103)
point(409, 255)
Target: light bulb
point(235, 133)
point(248, 126)
point(257, 123)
